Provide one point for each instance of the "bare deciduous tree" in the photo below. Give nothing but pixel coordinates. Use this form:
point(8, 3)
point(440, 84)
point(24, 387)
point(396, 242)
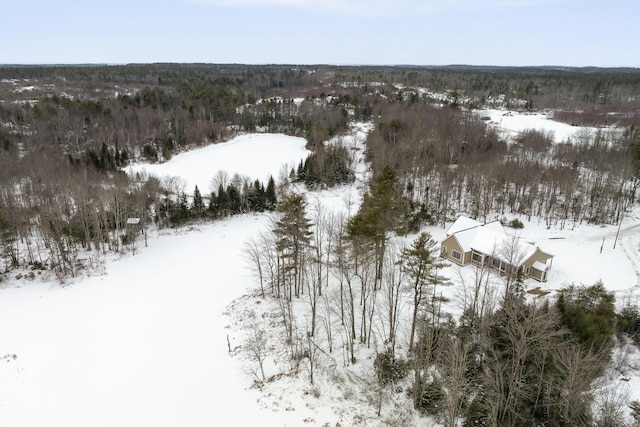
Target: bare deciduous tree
point(456, 359)
point(392, 283)
point(254, 258)
point(256, 346)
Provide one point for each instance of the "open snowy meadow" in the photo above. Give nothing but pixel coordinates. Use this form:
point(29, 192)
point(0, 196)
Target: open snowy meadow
point(148, 340)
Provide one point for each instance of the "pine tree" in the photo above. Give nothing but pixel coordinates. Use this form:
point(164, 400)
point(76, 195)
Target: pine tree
point(423, 265)
point(293, 235)
point(106, 159)
point(213, 209)
point(235, 205)
point(256, 196)
point(124, 157)
point(179, 213)
point(197, 206)
point(270, 197)
point(262, 197)
point(384, 210)
point(301, 172)
point(223, 202)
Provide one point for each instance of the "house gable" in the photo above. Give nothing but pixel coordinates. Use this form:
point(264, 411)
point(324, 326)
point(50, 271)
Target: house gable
point(538, 256)
point(538, 264)
point(453, 251)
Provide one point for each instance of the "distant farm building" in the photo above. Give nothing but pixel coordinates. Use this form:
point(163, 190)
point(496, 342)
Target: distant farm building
point(471, 242)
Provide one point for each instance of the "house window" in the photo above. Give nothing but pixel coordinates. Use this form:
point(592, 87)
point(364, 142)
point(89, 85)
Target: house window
point(527, 270)
point(477, 258)
point(457, 255)
point(498, 264)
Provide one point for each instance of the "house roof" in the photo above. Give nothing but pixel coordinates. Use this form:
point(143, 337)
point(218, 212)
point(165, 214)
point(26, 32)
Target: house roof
point(539, 266)
point(479, 238)
point(489, 239)
point(496, 227)
point(461, 224)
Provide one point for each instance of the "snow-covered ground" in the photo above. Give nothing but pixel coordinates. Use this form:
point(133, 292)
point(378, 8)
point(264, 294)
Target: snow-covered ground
point(510, 123)
point(143, 344)
point(583, 253)
point(147, 342)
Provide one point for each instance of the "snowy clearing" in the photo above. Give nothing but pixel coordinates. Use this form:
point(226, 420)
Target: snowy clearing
point(143, 344)
point(511, 123)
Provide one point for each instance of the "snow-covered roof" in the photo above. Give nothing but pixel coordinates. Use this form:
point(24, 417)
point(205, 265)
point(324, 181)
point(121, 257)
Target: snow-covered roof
point(527, 249)
point(539, 266)
point(489, 239)
point(496, 226)
point(479, 238)
point(461, 224)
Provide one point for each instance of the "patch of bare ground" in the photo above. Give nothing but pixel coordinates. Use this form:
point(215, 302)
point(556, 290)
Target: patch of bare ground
point(538, 292)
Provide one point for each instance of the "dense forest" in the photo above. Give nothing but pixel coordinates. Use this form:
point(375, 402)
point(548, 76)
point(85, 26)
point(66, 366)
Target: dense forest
point(66, 133)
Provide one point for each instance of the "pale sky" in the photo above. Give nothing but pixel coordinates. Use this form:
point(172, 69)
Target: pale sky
point(377, 32)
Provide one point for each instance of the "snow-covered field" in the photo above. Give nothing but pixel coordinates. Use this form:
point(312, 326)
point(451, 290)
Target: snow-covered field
point(510, 123)
point(143, 344)
point(256, 156)
point(147, 342)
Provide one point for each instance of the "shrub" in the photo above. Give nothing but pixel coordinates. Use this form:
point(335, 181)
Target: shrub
point(629, 322)
point(420, 217)
point(390, 368)
point(516, 223)
point(431, 399)
point(477, 414)
point(150, 153)
point(589, 313)
point(635, 411)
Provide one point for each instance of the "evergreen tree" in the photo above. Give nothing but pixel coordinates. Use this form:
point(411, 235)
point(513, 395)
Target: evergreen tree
point(383, 210)
point(223, 202)
point(183, 208)
point(235, 202)
point(256, 196)
point(423, 266)
point(293, 235)
point(270, 198)
point(262, 197)
point(197, 206)
point(589, 312)
point(213, 210)
point(311, 171)
point(179, 212)
point(301, 173)
point(106, 159)
point(124, 157)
